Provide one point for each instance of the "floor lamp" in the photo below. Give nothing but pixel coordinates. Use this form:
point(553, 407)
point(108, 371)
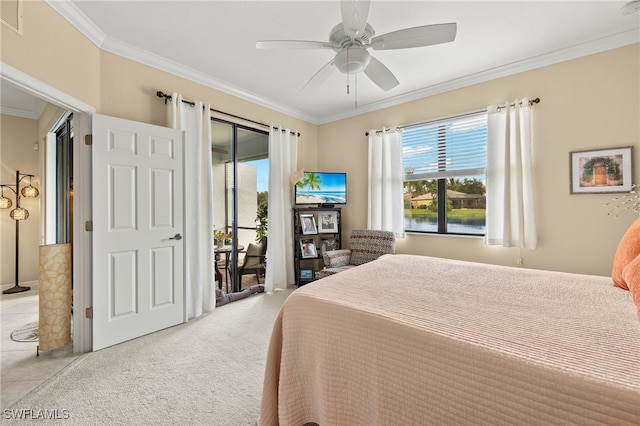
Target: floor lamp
point(18, 214)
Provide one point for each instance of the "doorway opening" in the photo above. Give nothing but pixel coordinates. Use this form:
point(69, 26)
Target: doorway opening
point(82, 274)
point(25, 148)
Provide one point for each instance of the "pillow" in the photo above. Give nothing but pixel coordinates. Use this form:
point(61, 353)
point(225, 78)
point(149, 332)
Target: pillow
point(628, 249)
point(336, 258)
point(631, 276)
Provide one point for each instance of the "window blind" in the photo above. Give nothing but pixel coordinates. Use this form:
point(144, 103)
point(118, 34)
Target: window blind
point(445, 148)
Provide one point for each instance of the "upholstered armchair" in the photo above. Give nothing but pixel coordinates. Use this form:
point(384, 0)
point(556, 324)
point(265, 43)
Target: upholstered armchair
point(365, 245)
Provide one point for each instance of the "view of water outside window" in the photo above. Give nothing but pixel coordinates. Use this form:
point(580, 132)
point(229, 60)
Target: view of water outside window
point(453, 151)
point(466, 206)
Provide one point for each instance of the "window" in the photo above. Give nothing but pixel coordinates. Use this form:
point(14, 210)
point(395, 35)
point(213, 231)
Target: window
point(444, 163)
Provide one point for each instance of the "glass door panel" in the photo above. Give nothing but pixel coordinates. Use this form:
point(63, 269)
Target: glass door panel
point(222, 137)
point(240, 180)
point(253, 178)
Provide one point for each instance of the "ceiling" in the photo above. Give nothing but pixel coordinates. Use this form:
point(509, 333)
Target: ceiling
point(213, 43)
point(15, 102)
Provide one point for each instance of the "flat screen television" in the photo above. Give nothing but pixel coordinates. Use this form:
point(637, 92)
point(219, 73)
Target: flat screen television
point(322, 188)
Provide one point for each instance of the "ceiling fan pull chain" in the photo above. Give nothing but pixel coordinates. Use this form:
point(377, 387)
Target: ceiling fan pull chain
point(347, 84)
point(347, 70)
point(355, 81)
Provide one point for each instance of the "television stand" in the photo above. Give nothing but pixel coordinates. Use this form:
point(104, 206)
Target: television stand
point(310, 242)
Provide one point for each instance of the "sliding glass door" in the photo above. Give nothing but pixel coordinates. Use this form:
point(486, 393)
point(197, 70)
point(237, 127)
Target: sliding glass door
point(240, 157)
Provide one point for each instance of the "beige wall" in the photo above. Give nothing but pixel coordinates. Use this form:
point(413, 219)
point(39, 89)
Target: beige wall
point(54, 52)
point(17, 153)
point(48, 119)
point(129, 89)
point(587, 103)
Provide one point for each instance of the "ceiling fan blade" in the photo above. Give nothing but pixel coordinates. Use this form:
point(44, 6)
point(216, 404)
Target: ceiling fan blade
point(354, 16)
point(320, 77)
point(381, 75)
point(425, 35)
point(292, 44)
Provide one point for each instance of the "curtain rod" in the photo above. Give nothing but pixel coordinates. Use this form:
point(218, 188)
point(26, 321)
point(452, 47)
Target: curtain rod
point(531, 102)
point(166, 97)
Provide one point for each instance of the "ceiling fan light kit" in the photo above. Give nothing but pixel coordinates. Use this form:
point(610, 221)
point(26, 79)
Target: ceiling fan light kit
point(352, 60)
point(353, 36)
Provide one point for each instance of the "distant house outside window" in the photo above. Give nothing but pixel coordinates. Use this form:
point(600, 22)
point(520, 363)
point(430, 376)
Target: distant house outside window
point(444, 165)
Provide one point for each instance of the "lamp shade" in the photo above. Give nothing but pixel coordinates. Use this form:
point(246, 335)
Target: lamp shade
point(30, 192)
point(5, 202)
point(19, 214)
point(55, 296)
point(296, 176)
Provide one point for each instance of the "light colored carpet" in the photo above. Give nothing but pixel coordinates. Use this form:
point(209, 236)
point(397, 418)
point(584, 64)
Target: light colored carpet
point(206, 372)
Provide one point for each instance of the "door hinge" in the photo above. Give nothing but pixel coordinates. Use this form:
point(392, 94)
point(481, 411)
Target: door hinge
point(88, 139)
point(88, 226)
point(88, 313)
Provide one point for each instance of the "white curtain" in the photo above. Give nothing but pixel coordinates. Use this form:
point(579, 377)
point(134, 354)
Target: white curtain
point(198, 185)
point(386, 209)
point(511, 218)
point(283, 159)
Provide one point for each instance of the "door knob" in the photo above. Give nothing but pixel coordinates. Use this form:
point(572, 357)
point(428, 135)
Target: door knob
point(176, 237)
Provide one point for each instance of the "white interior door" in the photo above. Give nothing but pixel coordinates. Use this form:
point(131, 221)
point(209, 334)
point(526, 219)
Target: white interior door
point(138, 199)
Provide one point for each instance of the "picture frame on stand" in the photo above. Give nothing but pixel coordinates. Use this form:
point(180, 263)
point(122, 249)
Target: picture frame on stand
point(327, 222)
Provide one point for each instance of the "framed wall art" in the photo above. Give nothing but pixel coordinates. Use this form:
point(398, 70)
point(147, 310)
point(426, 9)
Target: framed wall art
point(601, 171)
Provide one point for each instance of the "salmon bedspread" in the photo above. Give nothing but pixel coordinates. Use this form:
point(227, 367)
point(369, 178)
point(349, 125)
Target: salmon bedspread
point(415, 340)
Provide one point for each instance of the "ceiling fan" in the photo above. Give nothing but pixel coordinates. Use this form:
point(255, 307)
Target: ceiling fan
point(352, 38)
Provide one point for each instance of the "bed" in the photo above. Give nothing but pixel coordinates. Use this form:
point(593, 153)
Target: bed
point(415, 340)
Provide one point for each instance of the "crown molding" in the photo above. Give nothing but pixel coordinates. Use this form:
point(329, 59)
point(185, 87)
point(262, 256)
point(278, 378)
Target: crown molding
point(179, 70)
point(32, 114)
point(80, 21)
point(561, 55)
